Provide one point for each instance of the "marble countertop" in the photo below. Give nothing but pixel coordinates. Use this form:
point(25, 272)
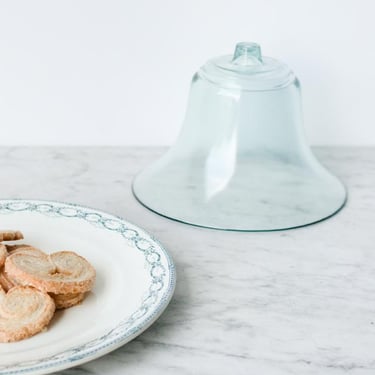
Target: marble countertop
point(293, 302)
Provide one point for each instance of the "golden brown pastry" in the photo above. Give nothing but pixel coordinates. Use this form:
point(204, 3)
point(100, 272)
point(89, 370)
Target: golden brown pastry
point(63, 272)
point(33, 284)
point(3, 254)
point(10, 235)
point(24, 249)
point(5, 282)
point(64, 301)
point(24, 311)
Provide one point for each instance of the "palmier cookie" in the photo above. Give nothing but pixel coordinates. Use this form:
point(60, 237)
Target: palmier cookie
point(24, 311)
point(59, 273)
point(3, 254)
point(11, 248)
point(23, 249)
point(64, 301)
point(5, 282)
point(10, 235)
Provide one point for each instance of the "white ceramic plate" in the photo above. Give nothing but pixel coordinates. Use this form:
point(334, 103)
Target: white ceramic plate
point(135, 282)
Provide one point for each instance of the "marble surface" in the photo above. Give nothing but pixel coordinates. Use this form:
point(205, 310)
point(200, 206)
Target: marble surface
point(292, 302)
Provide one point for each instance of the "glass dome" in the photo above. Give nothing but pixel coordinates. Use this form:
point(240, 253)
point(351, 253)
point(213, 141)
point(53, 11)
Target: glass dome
point(241, 161)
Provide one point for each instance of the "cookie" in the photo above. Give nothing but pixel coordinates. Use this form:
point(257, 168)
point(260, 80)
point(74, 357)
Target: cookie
point(11, 248)
point(63, 272)
point(5, 282)
point(3, 254)
point(64, 301)
point(23, 249)
point(24, 311)
point(10, 235)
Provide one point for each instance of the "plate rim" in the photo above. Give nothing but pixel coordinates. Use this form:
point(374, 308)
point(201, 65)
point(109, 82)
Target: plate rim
point(115, 343)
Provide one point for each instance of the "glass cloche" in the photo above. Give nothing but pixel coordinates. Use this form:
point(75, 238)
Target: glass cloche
point(241, 161)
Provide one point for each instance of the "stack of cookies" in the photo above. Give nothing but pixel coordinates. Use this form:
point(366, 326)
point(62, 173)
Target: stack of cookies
point(34, 284)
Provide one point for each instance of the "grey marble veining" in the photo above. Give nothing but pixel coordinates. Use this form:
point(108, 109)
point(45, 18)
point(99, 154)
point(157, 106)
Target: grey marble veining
point(292, 302)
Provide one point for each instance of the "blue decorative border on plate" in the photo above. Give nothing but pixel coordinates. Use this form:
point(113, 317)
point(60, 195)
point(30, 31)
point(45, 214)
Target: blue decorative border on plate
point(130, 327)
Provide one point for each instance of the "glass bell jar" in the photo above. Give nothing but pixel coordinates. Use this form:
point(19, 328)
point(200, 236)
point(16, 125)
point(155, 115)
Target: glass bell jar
point(241, 161)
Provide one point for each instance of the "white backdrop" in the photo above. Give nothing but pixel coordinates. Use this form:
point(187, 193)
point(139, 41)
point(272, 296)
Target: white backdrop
point(118, 72)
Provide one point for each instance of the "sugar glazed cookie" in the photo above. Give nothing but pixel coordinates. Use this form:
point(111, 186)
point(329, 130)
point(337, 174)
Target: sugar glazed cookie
point(63, 272)
point(10, 235)
point(24, 311)
point(64, 301)
point(6, 282)
point(3, 254)
point(34, 284)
